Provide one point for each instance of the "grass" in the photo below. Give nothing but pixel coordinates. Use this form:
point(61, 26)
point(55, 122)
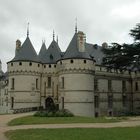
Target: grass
point(61, 120)
point(132, 133)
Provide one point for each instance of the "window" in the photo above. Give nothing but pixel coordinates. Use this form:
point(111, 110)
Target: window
point(12, 83)
point(44, 66)
point(49, 66)
point(62, 82)
point(124, 100)
point(6, 101)
point(51, 57)
point(11, 64)
point(85, 61)
point(20, 63)
point(44, 88)
point(30, 64)
point(49, 82)
point(110, 101)
point(54, 66)
point(62, 102)
point(38, 65)
point(95, 84)
point(6, 92)
point(96, 101)
point(36, 83)
point(60, 62)
point(136, 86)
point(71, 61)
point(123, 86)
point(109, 85)
point(2, 102)
point(57, 92)
point(12, 102)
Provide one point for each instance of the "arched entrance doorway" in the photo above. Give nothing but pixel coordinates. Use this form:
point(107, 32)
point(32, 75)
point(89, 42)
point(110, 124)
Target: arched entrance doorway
point(49, 104)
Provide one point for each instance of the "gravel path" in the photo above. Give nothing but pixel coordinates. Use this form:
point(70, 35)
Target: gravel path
point(4, 119)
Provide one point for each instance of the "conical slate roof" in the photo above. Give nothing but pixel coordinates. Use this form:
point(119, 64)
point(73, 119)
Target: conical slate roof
point(42, 53)
point(26, 52)
point(53, 53)
point(72, 50)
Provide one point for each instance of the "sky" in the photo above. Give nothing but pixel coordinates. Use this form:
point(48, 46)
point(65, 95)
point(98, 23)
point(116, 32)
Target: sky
point(101, 20)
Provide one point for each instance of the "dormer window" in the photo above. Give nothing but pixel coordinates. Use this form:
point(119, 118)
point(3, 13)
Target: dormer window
point(51, 56)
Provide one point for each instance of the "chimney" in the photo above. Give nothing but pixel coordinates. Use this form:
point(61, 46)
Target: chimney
point(81, 39)
point(18, 45)
point(104, 45)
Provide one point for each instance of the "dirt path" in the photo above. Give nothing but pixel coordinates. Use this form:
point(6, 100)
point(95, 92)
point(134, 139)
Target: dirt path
point(4, 119)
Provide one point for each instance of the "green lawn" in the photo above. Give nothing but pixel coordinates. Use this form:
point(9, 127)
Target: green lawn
point(76, 134)
point(61, 120)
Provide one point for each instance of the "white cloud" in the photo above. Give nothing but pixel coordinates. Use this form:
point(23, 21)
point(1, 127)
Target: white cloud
point(127, 11)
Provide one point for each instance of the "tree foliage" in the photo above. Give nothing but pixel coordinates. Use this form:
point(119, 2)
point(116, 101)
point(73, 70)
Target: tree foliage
point(124, 56)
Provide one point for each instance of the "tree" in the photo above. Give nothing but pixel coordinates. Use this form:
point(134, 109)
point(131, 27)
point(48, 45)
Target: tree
point(124, 56)
point(135, 33)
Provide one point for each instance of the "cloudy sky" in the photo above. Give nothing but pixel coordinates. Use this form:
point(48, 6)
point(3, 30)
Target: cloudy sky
point(101, 21)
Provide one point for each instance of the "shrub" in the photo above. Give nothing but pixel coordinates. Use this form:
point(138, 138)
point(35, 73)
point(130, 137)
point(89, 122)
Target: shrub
point(59, 113)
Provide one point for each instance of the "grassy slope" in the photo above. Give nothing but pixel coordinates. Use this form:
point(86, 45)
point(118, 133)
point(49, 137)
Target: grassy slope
point(76, 134)
point(58, 120)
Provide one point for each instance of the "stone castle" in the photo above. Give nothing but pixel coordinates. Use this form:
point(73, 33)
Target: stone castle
point(75, 80)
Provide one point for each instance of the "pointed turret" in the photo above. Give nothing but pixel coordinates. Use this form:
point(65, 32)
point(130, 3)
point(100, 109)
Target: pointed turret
point(76, 48)
point(76, 25)
point(26, 52)
point(42, 52)
point(53, 53)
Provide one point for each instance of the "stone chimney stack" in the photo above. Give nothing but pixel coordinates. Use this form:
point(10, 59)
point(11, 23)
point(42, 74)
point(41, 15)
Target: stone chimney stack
point(104, 45)
point(18, 45)
point(81, 39)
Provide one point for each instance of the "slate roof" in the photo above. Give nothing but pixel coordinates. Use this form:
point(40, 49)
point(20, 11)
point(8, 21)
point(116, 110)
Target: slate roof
point(42, 53)
point(26, 52)
point(96, 52)
point(73, 52)
point(53, 53)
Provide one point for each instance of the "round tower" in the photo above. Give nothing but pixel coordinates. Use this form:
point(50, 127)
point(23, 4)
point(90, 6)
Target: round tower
point(24, 72)
point(76, 78)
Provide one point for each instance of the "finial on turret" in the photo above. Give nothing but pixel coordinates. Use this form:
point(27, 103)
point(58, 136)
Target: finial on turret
point(43, 41)
point(0, 65)
point(28, 29)
point(53, 35)
point(76, 25)
point(57, 39)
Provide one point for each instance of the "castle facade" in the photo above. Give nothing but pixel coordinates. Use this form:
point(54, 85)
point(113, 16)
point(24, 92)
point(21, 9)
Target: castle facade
point(75, 80)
